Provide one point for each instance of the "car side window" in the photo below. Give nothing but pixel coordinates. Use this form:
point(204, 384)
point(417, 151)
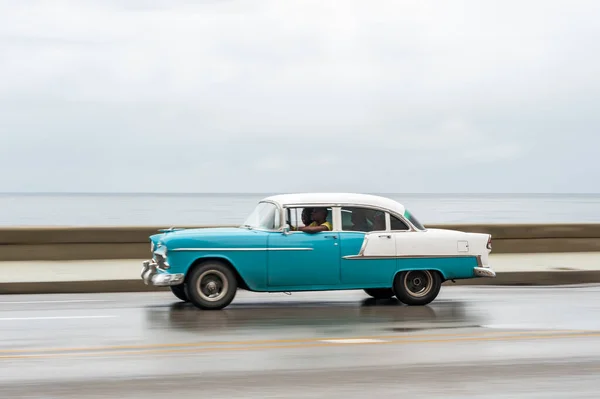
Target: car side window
point(299, 217)
point(362, 219)
point(397, 224)
point(293, 217)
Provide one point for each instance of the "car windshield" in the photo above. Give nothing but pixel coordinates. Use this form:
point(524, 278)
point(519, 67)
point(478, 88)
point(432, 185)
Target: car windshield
point(265, 216)
point(413, 220)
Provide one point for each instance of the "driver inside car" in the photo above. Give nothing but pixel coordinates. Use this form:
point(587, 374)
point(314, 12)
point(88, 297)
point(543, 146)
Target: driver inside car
point(320, 223)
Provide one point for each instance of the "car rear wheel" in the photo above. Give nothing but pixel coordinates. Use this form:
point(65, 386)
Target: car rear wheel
point(417, 287)
point(211, 286)
point(179, 292)
point(380, 293)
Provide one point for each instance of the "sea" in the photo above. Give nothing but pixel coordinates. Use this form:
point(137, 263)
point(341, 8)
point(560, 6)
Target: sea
point(167, 210)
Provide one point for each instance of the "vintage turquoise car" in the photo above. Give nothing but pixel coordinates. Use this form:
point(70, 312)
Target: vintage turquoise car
point(353, 241)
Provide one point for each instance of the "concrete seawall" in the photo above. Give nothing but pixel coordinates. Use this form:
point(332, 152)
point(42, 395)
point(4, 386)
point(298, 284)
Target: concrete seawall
point(95, 243)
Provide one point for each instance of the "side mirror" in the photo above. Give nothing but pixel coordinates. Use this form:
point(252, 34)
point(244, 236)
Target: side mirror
point(286, 229)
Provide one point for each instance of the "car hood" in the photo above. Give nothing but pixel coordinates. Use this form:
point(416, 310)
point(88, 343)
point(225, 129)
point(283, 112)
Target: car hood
point(189, 236)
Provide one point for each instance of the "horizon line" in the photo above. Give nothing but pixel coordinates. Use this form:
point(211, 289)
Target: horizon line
point(283, 192)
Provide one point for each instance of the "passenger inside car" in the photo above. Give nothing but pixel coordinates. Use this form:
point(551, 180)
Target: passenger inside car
point(379, 221)
point(359, 220)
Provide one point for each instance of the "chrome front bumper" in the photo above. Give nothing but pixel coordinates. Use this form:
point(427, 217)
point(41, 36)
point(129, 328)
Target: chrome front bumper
point(484, 272)
point(150, 275)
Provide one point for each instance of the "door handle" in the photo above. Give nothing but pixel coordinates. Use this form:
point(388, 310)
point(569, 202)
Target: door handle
point(385, 236)
point(334, 237)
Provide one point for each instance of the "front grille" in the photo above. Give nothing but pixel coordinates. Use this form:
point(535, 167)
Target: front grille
point(160, 261)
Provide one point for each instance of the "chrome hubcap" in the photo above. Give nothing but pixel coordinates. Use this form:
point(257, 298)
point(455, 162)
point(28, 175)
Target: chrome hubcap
point(418, 283)
point(212, 285)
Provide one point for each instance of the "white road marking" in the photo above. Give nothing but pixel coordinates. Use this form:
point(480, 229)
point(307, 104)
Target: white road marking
point(55, 317)
point(352, 341)
point(65, 301)
point(518, 326)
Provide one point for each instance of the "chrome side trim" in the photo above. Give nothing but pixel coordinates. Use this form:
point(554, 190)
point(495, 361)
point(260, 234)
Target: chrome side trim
point(369, 257)
point(362, 247)
point(240, 249)
point(289, 249)
point(479, 262)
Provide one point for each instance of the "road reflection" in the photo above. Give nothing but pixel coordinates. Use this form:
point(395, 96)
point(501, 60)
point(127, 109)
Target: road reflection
point(391, 313)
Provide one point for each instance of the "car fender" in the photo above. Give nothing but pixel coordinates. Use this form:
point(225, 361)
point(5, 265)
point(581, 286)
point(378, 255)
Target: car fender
point(240, 275)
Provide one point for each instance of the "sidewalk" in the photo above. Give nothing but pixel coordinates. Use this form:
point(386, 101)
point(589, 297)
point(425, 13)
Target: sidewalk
point(115, 275)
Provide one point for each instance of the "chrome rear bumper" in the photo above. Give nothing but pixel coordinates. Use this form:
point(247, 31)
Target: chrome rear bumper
point(150, 275)
point(484, 272)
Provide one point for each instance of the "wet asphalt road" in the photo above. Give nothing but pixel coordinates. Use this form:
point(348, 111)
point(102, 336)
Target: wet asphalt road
point(479, 342)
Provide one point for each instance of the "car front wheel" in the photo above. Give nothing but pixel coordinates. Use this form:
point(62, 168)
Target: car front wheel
point(417, 287)
point(211, 286)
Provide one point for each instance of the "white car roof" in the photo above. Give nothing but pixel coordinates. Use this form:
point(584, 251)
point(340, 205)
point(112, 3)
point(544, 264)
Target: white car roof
point(338, 198)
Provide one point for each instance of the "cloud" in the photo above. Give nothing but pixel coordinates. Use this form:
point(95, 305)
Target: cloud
point(255, 96)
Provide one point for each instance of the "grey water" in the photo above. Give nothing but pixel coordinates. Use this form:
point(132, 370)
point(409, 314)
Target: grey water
point(213, 209)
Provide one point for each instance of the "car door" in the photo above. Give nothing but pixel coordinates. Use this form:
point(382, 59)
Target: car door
point(367, 270)
point(300, 260)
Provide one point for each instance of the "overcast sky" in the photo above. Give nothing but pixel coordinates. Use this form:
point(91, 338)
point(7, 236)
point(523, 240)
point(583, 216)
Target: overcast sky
point(269, 96)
